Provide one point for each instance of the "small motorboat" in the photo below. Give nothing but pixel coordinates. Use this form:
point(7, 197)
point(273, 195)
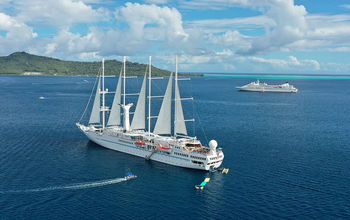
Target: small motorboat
point(129, 176)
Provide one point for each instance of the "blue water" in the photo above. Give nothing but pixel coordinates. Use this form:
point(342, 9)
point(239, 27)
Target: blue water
point(288, 155)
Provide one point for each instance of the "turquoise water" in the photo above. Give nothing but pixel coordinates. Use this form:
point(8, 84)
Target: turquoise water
point(263, 76)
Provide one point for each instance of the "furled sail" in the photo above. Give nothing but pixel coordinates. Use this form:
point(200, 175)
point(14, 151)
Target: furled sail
point(179, 124)
point(114, 117)
point(163, 124)
point(95, 113)
point(138, 122)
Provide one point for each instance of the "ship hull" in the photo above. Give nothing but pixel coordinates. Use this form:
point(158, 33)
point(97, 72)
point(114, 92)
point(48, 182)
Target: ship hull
point(129, 147)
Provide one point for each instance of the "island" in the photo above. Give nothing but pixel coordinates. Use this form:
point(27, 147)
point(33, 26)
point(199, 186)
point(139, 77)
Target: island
point(22, 63)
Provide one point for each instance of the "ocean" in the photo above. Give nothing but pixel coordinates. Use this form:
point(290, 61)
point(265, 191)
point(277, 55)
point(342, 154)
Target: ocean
point(288, 154)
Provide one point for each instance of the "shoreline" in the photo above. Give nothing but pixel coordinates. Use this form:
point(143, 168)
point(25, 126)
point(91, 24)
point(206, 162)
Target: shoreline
point(87, 75)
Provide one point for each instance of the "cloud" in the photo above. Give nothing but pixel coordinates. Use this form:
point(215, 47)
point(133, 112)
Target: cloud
point(58, 13)
point(66, 42)
point(231, 62)
point(282, 23)
point(232, 39)
point(140, 28)
point(290, 64)
point(282, 26)
point(290, 26)
point(222, 25)
point(152, 22)
point(18, 35)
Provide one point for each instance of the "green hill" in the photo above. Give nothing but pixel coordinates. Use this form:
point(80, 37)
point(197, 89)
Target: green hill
point(22, 62)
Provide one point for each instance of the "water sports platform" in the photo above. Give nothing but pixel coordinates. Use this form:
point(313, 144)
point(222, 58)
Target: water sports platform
point(200, 187)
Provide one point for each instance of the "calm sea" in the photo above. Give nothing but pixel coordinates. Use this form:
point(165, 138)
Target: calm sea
point(288, 154)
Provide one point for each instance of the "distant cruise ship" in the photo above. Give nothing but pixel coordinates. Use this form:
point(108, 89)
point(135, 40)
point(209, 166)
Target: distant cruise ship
point(264, 87)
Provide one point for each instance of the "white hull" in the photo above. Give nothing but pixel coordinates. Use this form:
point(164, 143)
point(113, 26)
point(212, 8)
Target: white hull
point(125, 146)
point(267, 90)
point(264, 87)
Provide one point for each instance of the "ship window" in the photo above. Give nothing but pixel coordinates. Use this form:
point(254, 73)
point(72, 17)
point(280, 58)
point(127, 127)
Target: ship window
point(197, 162)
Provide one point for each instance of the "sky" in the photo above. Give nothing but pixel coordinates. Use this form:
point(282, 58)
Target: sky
point(209, 36)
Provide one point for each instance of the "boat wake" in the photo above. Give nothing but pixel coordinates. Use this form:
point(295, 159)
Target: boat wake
point(75, 186)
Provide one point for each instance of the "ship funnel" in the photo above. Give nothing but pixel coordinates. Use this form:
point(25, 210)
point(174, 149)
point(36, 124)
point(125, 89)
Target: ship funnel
point(126, 109)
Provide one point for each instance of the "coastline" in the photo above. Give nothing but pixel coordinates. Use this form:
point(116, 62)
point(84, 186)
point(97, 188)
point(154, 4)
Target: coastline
point(91, 75)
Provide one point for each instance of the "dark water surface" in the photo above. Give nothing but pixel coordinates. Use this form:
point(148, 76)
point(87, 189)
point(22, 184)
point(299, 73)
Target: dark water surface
point(288, 154)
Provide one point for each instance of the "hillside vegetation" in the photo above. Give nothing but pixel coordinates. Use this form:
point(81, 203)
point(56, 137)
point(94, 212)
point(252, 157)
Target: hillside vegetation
point(22, 62)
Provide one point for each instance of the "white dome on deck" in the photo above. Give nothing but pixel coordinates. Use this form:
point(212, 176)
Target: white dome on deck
point(213, 144)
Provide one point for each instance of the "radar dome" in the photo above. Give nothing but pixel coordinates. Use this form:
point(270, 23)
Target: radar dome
point(213, 144)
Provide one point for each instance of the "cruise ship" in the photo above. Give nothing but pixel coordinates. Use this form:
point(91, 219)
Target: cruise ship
point(264, 87)
point(168, 142)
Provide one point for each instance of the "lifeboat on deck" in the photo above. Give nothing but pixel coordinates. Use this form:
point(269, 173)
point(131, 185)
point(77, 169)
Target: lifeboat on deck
point(160, 147)
point(141, 143)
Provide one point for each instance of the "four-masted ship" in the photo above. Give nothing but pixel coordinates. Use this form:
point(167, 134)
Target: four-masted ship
point(163, 144)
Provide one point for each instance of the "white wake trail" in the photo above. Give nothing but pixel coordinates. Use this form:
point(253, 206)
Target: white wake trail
point(70, 187)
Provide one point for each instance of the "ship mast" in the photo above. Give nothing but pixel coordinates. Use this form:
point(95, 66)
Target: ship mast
point(175, 88)
point(103, 94)
point(124, 60)
point(149, 95)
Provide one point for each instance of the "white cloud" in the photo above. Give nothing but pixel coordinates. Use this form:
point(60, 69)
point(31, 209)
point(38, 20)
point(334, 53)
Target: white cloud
point(282, 23)
point(152, 22)
point(290, 26)
point(283, 26)
point(222, 25)
point(231, 39)
point(66, 42)
point(231, 62)
point(58, 13)
point(290, 64)
point(140, 28)
point(18, 35)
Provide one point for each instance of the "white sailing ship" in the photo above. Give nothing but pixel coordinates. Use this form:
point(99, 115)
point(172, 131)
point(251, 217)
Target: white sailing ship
point(163, 144)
